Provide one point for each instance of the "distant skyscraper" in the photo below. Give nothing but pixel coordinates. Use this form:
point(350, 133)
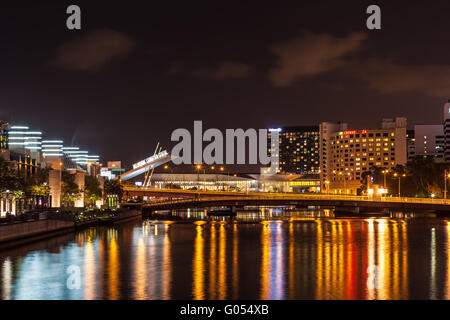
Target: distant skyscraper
point(326, 130)
point(3, 135)
point(447, 132)
point(298, 149)
point(429, 142)
point(410, 145)
point(23, 141)
point(4, 152)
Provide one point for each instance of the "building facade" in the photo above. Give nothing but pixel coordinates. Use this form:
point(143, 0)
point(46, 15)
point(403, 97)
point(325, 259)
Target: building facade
point(447, 132)
point(352, 152)
point(298, 149)
point(410, 145)
point(4, 152)
point(326, 130)
point(429, 142)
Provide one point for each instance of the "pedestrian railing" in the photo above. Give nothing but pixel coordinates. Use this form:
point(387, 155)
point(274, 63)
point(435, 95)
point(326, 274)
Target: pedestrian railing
point(294, 197)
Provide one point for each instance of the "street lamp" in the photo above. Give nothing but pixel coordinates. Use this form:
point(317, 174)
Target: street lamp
point(327, 182)
point(399, 184)
point(166, 167)
point(198, 168)
point(446, 176)
point(384, 173)
point(222, 169)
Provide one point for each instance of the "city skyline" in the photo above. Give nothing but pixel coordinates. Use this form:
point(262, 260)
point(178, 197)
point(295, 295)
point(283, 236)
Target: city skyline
point(236, 158)
point(117, 74)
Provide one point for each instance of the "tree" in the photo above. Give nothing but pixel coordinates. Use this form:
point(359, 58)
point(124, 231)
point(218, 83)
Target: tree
point(92, 190)
point(9, 179)
point(428, 176)
point(69, 189)
point(375, 172)
point(114, 188)
point(36, 185)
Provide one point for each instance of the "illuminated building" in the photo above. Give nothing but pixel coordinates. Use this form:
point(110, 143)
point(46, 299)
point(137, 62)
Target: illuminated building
point(251, 182)
point(23, 147)
point(113, 170)
point(352, 152)
point(447, 132)
point(298, 149)
point(76, 159)
point(22, 141)
point(410, 144)
point(52, 149)
point(3, 135)
point(429, 142)
point(4, 153)
point(326, 129)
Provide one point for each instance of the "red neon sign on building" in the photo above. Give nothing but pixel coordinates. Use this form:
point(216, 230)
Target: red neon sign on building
point(354, 131)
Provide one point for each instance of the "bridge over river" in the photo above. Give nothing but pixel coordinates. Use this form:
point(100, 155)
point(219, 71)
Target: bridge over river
point(204, 199)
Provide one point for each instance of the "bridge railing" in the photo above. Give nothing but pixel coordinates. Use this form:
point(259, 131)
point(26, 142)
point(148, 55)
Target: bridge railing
point(222, 195)
point(294, 197)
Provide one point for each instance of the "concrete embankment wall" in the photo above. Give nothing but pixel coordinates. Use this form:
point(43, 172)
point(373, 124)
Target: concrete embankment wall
point(22, 230)
point(130, 213)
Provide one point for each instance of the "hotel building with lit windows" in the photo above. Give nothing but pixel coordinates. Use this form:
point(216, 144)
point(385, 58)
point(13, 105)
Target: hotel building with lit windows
point(350, 153)
point(298, 149)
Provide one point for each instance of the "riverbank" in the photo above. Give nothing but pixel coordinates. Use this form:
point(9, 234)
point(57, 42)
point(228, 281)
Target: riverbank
point(27, 231)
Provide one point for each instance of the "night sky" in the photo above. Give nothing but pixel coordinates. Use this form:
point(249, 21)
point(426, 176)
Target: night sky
point(140, 69)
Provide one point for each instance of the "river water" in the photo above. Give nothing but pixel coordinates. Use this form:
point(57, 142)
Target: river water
point(267, 254)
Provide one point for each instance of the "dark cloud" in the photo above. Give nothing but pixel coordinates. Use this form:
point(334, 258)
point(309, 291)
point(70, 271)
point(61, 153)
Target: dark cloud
point(93, 51)
point(312, 54)
point(223, 70)
point(388, 77)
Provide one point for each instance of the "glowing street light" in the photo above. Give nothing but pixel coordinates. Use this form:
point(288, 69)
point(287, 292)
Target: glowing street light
point(446, 176)
point(327, 182)
point(399, 177)
point(384, 173)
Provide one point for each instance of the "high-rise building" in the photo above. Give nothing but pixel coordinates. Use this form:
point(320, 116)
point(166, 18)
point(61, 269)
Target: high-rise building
point(429, 142)
point(74, 157)
point(352, 152)
point(24, 146)
point(447, 132)
point(3, 135)
point(4, 152)
point(410, 145)
point(23, 141)
point(298, 149)
point(326, 129)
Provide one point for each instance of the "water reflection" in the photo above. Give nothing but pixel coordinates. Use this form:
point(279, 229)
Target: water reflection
point(198, 283)
point(447, 278)
point(300, 257)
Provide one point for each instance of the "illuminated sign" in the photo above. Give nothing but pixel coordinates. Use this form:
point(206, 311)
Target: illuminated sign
point(305, 183)
point(354, 132)
point(151, 159)
point(105, 172)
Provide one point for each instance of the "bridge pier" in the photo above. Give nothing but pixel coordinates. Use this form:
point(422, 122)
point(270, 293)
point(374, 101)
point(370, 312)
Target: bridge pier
point(350, 210)
point(362, 211)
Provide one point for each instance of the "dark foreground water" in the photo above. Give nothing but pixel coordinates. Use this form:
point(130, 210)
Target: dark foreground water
point(293, 255)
